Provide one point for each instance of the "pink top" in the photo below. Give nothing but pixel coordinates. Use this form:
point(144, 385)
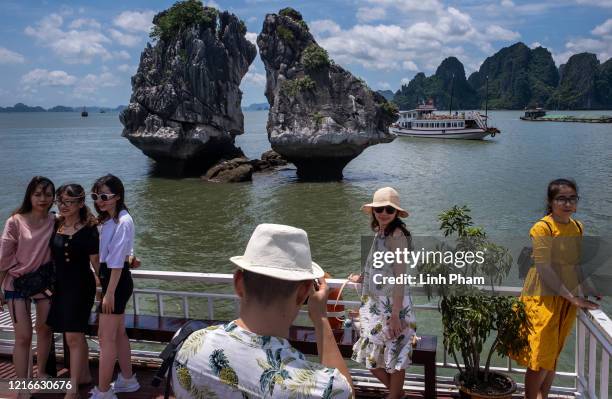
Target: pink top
point(22, 248)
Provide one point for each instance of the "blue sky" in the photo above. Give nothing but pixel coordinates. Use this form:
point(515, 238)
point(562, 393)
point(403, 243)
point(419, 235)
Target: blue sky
point(84, 52)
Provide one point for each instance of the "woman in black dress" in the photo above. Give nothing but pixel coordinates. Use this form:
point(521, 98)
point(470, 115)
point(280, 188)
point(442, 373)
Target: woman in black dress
point(75, 250)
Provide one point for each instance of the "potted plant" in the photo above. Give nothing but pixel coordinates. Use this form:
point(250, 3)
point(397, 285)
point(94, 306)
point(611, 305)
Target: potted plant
point(470, 317)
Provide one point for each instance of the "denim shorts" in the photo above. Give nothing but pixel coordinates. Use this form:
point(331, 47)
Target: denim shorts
point(13, 295)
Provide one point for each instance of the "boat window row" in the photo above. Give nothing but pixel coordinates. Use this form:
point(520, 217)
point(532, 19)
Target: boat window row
point(438, 125)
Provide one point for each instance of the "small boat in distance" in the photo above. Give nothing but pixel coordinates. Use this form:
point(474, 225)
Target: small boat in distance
point(84, 113)
point(539, 115)
point(423, 122)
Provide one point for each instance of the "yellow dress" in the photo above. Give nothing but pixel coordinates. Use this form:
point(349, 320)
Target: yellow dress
point(552, 317)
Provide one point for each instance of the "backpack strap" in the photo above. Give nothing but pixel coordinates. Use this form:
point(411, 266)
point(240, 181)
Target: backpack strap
point(170, 351)
point(547, 225)
point(578, 225)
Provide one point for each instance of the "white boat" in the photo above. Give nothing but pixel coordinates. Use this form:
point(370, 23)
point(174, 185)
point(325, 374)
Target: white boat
point(424, 122)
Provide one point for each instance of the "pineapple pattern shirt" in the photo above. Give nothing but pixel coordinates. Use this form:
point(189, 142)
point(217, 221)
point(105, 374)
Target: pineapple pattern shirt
point(227, 361)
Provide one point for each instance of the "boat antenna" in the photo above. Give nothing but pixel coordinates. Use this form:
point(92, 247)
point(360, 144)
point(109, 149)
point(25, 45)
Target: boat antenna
point(487, 100)
point(450, 106)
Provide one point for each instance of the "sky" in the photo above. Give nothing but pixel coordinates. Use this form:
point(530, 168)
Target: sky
point(84, 52)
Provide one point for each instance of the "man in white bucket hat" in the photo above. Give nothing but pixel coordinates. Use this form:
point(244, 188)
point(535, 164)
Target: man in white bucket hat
point(251, 357)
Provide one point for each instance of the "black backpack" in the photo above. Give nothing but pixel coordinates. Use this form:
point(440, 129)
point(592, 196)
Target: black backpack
point(525, 259)
point(170, 351)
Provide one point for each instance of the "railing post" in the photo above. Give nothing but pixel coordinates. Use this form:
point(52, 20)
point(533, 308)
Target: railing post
point(580, 349)
point(604, 375)
point(185, 307)
point(211, 313)
point(592, 364)
point(160, 305)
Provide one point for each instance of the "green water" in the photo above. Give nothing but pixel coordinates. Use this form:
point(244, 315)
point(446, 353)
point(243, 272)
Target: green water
point(190, 225)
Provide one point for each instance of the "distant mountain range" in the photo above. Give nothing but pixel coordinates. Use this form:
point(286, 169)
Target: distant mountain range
point(20, 107)
point(519, 77)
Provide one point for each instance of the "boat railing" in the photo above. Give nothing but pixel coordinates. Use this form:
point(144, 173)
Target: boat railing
point(593, 336)
point(594, 328)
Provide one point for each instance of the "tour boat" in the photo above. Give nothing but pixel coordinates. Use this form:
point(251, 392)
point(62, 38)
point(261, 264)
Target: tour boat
point(424, 122)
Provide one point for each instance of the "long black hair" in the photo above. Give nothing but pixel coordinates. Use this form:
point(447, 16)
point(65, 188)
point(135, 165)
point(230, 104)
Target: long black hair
point(116, 187)
point(77, 191)
point(26, 204)
point(396, 223)
point(553, 189)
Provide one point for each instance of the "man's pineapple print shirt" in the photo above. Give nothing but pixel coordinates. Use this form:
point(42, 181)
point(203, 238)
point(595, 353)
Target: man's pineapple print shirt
point(227, 361)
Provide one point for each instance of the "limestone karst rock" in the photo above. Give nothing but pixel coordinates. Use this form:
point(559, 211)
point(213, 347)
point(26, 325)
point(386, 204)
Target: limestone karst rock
point(185, 106)
point(321, 116)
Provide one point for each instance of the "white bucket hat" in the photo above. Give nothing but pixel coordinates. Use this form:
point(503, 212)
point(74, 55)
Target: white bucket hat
point(383, 197)
point(279, 251)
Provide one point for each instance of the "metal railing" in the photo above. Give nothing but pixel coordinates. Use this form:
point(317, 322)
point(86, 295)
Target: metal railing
point(595, 325)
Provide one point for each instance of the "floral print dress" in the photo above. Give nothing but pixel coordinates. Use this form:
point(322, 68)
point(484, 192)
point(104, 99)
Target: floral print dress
point(227, 361)
point(374, 349)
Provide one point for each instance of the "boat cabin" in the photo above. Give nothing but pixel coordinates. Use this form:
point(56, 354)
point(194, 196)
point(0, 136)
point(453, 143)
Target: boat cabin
point(534, 113)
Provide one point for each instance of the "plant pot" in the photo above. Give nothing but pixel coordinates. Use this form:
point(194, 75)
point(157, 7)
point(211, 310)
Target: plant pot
point(500, 386)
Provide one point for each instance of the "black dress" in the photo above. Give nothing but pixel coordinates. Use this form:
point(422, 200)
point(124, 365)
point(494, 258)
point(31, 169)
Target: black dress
point(75, 286)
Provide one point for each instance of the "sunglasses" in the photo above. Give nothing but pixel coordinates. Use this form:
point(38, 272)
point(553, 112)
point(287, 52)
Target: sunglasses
point(573, 200)
point(103, 197)
point(389, 209)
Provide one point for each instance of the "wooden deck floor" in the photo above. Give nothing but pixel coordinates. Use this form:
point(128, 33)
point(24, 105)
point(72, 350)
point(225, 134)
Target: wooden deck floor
point(145, 373)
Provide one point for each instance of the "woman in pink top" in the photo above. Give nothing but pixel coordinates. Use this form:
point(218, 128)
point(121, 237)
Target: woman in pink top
point(24, 247)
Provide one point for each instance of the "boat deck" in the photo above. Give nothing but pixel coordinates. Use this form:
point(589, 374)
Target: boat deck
point(145, 373)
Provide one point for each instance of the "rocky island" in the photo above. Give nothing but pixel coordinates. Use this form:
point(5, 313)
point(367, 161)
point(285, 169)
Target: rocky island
point(321, 116)
point(184, 111)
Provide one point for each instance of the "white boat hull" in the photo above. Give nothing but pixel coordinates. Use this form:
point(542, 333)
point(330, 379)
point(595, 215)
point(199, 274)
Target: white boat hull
point(465, 134)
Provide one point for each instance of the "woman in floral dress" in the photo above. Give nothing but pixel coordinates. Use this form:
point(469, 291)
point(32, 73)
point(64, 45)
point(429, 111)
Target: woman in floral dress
point(387, 321)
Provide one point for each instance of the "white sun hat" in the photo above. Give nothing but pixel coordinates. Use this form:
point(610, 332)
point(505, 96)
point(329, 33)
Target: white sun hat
point(386, 196)
point(279, 251)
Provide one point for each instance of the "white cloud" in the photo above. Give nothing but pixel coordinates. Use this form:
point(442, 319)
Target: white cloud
point(10, 57)
point(121, 55)
point(323, 26)
point(507, 3)
point(43, 77)
point(255, 78)
point(368, 14)
point(383, 85)
point(598, 3)
point(90, 84)
point(252, 37)
point(84, 22)
point(430, 33)
point(496, 32)
point(135, 21)
point(72, 46)
point(125, 39)
point(409, 5)
point(601, 44)
point(604, 29)
point(410, 66)
point(127, 68)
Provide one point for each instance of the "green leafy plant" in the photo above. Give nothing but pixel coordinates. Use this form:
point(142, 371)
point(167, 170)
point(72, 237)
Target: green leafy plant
point(318, 119)
point(469, 316)
point(390, 109)
point(294, 86)
point(315, 57)
point(285, 34)
point(168, 23)
point(295, 15)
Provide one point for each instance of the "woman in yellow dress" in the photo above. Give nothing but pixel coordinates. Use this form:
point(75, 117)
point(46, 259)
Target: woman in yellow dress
point(552, 292)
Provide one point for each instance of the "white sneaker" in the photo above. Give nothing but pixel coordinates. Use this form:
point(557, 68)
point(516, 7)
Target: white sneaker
point(96, 394)
point(125, 385)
